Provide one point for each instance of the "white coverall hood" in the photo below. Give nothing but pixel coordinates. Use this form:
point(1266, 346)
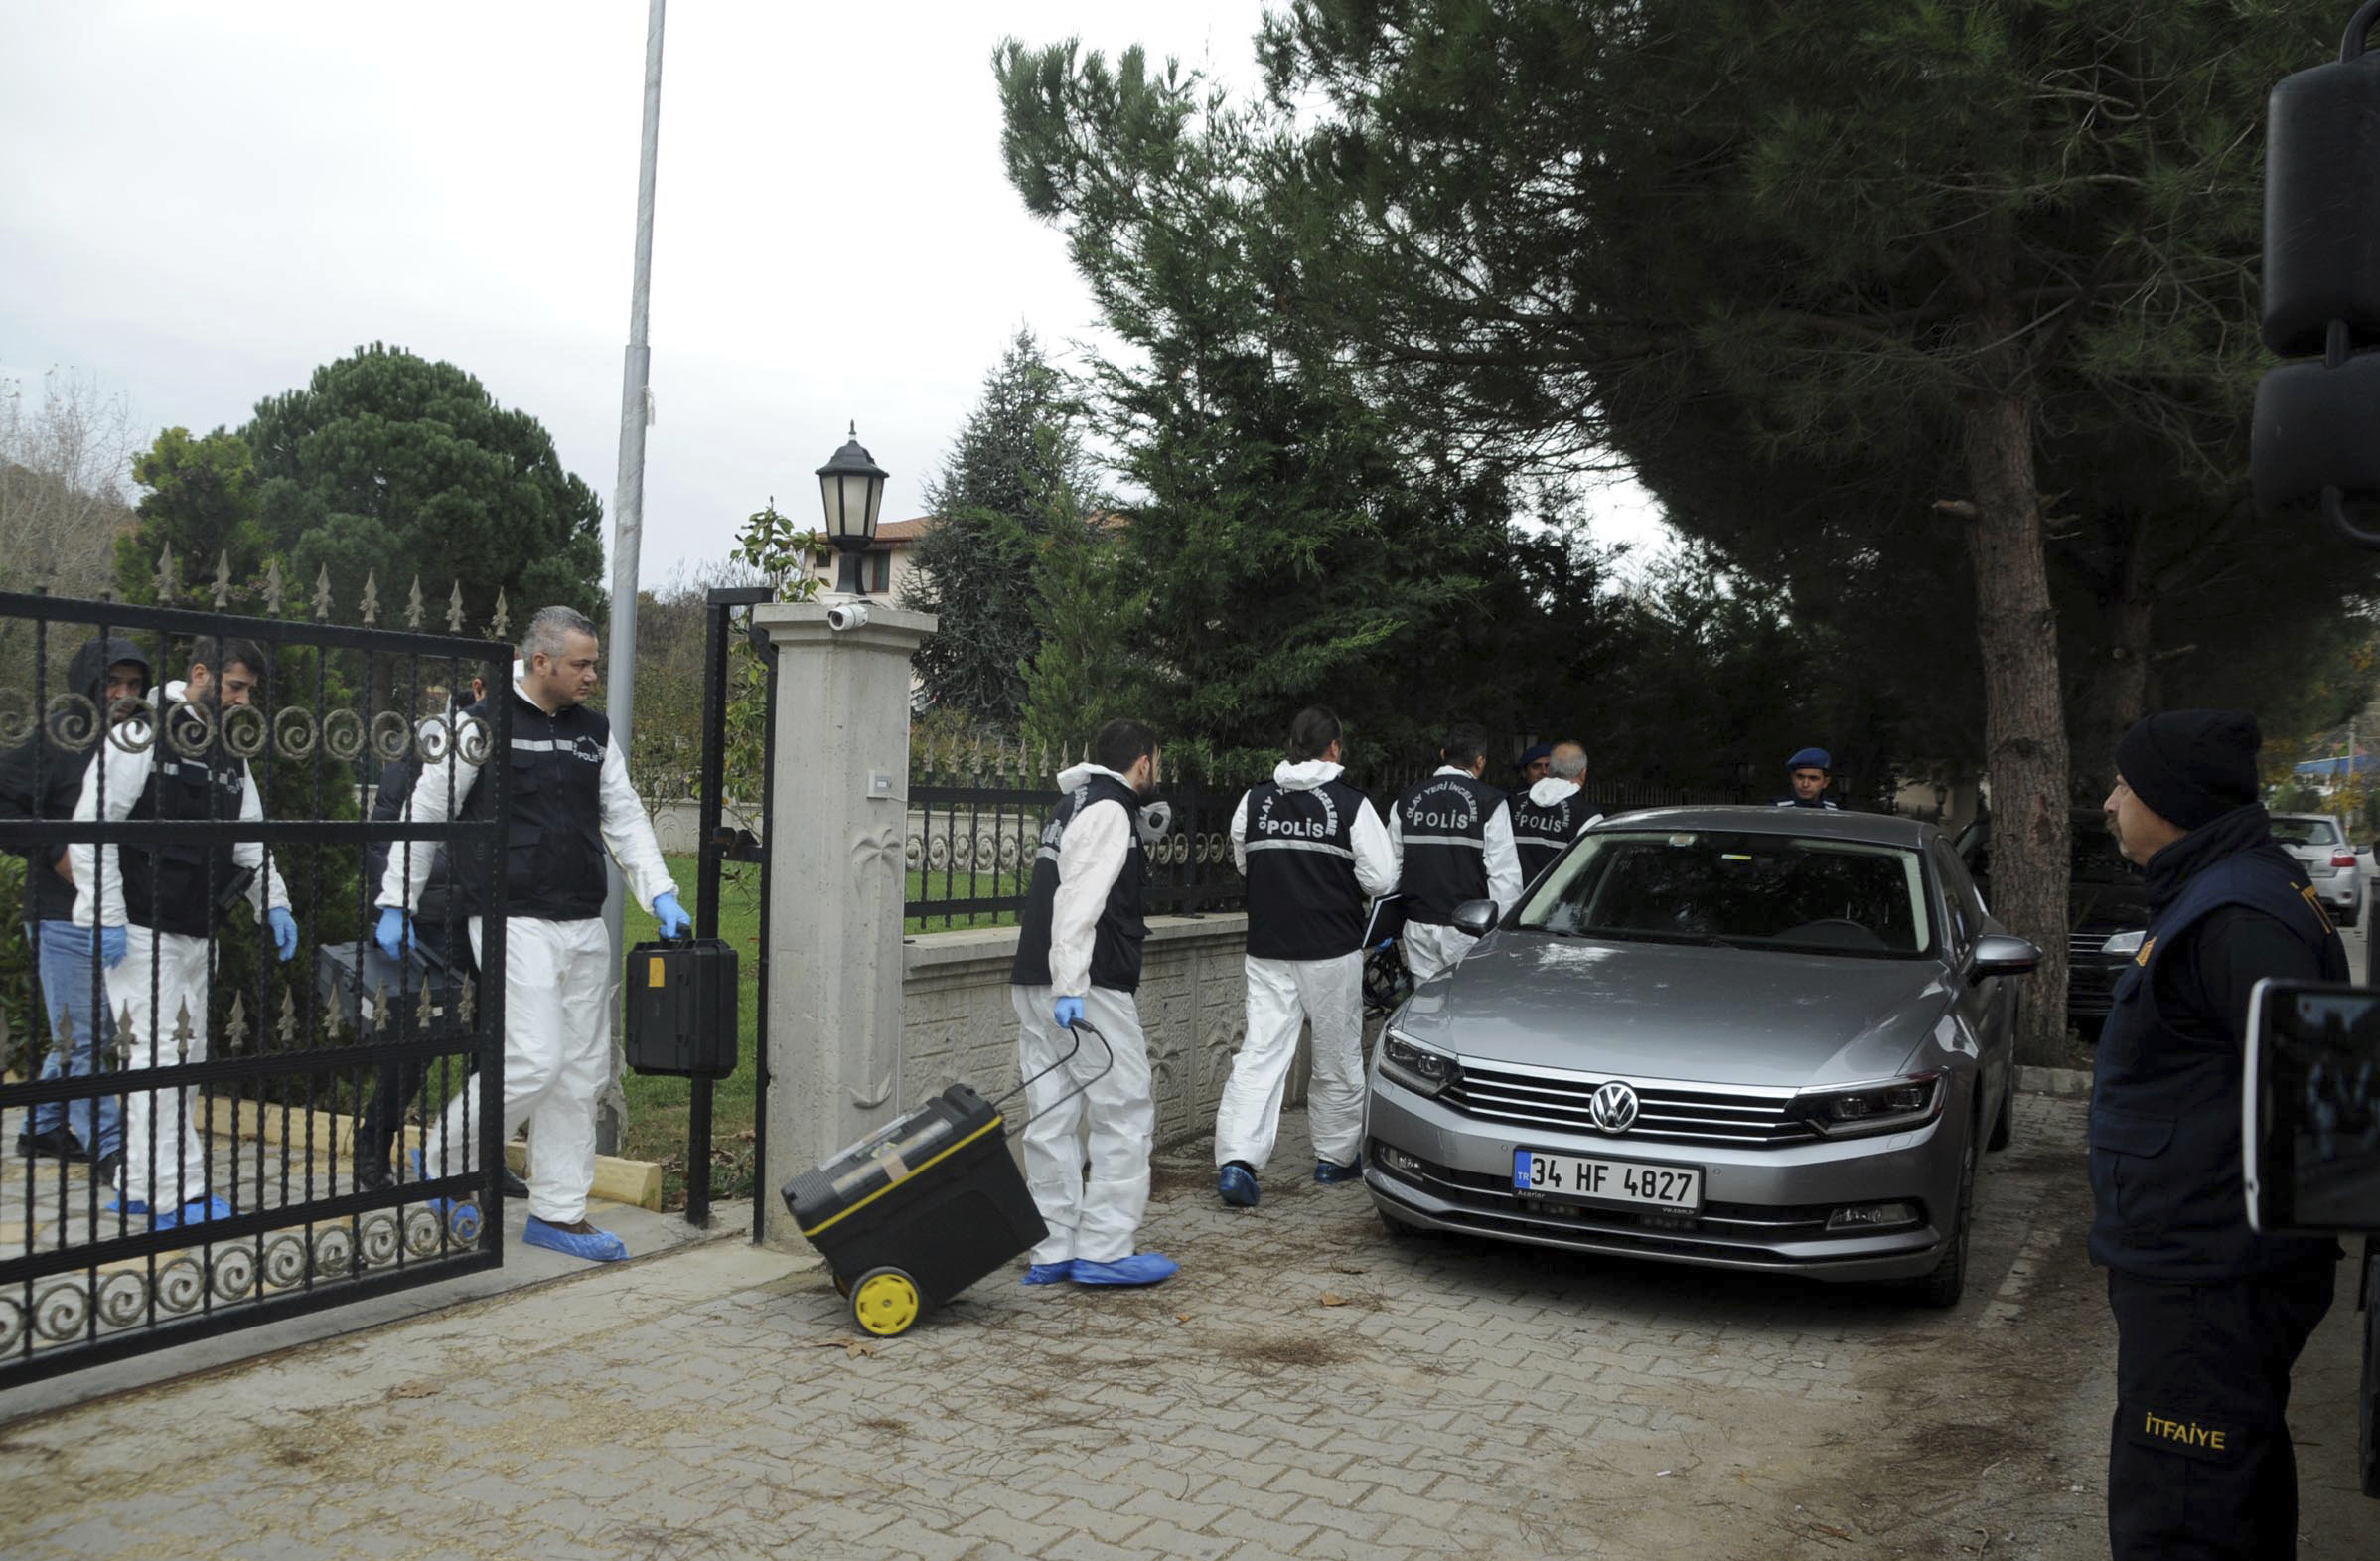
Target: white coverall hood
point(1550, 790)
point(1074, 777)
point(1306, 776)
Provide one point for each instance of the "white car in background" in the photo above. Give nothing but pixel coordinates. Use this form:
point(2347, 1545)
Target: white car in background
point(2319, 843)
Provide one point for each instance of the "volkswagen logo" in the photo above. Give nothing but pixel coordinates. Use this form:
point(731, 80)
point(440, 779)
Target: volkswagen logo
point(1613, 1108)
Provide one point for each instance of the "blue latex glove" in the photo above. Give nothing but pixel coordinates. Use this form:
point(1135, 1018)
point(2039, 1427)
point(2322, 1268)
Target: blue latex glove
point(1069, 1011)
point(395, 933)
point(672, 917)
point(113, 946)
point(284, 927)
point(1385, 943)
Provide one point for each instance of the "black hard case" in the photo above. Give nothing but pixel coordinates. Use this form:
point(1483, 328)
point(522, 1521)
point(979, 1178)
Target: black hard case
point(682, 1007)
point(935, 1194)
point(355, 980)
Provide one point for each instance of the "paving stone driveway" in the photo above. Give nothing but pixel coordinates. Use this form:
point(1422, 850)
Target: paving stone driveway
point(1309, 1387)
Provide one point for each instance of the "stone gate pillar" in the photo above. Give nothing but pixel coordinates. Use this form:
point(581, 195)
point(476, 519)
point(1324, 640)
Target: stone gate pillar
point(837, 813)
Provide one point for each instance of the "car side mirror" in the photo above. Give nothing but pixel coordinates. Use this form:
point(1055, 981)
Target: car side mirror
point(1475, 917)
point(1998, 953)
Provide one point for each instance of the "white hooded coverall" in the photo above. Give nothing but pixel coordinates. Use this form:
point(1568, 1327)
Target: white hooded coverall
point(1285, 996)
point(1095, 1219)
point(165, 1150)
point(560, 993)
point(1431, 949)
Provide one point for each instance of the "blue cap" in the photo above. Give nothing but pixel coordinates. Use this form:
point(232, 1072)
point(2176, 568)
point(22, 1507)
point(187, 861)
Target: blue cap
point(1543, 750)
point(1813, 759)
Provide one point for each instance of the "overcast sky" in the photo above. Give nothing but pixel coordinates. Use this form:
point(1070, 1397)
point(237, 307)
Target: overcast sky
point(207, 201)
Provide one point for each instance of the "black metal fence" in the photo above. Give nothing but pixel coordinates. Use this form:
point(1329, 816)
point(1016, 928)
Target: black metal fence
point(976, 811)
point(975, 816)
point(186, 1074)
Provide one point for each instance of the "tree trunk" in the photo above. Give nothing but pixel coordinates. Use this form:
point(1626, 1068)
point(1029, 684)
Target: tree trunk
point(2025, 720)
point(2119, 695)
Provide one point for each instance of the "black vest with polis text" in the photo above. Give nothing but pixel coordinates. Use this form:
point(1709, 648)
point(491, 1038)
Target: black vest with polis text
point(1540, 830)
point(1441, 825)
point(1304, 901)
point(1122, 927)
point(2166, 1191)
point(553, 853)
point(192, 776)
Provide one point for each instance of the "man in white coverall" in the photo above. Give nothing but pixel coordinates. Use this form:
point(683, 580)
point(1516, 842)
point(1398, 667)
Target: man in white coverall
point(1552, 812)
point(155, 908)
point(1078, 962)
point(570, 800)
point(1314, 854)
point(1453, 838)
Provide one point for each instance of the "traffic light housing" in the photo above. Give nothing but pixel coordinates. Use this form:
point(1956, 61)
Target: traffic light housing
point(2316, 440)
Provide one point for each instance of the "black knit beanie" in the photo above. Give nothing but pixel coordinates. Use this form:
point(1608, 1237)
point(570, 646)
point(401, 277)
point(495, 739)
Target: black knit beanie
point(2191, 766)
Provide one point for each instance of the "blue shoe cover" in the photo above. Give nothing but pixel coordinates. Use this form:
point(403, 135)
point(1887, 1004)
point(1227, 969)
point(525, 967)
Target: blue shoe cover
point(1142, 1267)
point(596, 1246)
point(462, 1216)
point(119, 1205)
point(1049, 1273)
point(196, 1211)
point(1238, 1185)
point(1330, 1173)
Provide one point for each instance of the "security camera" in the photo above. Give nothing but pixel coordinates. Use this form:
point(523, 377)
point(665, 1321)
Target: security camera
point(847, 615)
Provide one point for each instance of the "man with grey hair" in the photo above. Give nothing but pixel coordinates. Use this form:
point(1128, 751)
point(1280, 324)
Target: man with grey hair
point(570, 801)
point(1552, 813)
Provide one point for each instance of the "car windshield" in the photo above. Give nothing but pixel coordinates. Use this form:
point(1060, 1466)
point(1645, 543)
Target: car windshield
point(2096, 858)
point(2304, 831)
point(1737, 888)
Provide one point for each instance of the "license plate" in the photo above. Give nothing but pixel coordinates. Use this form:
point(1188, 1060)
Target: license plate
point(1618, 1181)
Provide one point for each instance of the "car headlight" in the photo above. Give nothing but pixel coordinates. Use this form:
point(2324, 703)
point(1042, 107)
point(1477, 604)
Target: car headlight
point(1414, 1065)
point(2123, 945)
point(1871, 1108)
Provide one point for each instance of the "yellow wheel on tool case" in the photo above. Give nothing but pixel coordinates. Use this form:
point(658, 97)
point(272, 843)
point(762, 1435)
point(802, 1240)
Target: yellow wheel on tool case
point(885, 1301)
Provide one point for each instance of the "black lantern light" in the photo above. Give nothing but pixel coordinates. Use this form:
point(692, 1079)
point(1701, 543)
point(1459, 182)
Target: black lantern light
point(852, 488)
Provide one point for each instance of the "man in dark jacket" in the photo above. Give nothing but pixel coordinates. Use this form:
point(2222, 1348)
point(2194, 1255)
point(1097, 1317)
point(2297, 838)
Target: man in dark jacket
point(2210, 1316)
point(41, 778)
point(1453, 837)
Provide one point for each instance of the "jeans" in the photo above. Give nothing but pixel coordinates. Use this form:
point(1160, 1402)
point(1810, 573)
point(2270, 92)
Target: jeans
point(68, 973)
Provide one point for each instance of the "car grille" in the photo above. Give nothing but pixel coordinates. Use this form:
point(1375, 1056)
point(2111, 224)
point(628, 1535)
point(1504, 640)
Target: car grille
point(1666, 1113)
point(2082, 947)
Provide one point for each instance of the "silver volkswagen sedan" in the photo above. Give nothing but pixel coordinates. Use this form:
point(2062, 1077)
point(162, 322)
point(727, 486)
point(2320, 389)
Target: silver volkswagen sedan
point(1754, 1038)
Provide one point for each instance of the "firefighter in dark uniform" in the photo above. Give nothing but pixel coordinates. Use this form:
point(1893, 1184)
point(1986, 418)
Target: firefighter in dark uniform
point(1452, 835)
point(2209, 1314)
point(1808, 773)
point(1553, 810)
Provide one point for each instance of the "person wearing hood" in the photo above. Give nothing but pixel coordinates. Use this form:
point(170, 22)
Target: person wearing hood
point(1808, 773)
point(1554, 811)
point(1314, 854)
point(570, 800)
point(154, 909)
point(1077, 962)
point(1452, 835)
point(2210, 1314)
point(42, 778)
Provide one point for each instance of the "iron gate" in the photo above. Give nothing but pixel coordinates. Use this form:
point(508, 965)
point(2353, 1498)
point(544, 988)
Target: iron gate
point(251, 1078)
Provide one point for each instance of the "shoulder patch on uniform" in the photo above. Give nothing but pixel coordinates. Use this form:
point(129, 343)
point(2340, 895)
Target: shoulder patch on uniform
point(2313, 899)
point(2147, 947)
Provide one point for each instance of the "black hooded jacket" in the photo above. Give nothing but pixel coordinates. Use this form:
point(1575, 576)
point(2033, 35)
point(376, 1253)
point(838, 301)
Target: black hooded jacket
point(42, 778)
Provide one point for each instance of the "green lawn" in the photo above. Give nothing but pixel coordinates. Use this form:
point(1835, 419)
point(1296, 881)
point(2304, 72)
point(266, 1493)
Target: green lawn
point(659, 1108)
